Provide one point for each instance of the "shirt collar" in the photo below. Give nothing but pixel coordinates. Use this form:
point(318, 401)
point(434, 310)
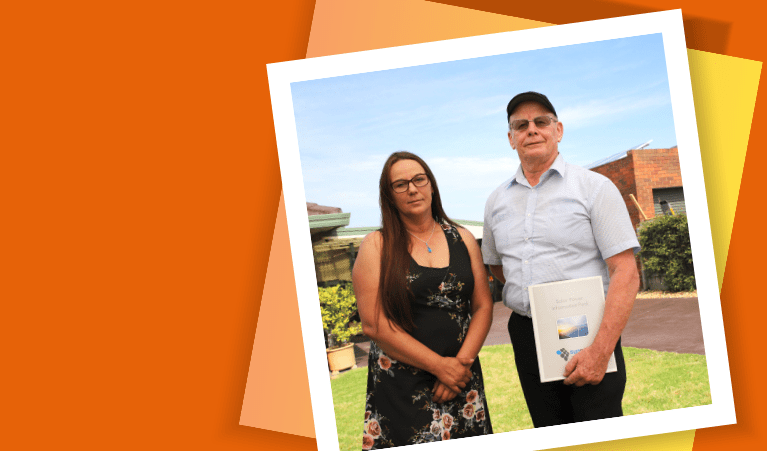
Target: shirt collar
point(557, 166)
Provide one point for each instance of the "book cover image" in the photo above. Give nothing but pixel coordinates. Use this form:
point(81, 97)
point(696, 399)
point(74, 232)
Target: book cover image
point(574, 326)
point(566, 318)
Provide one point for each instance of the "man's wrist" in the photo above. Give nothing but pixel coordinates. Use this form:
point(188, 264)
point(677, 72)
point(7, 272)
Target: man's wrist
point(603, 349)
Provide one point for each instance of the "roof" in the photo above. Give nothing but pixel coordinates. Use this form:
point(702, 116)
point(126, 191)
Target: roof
point(609, 159)
point(617, 156)
point(475, 227)
point(353, 232)
point(316, 209)
point(325, 223)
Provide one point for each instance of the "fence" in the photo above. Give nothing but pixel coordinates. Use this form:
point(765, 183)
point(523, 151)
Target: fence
point(334, 260)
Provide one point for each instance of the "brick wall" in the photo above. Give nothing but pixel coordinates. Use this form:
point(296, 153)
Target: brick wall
point(621, 172)
point(639, 172)
point(655, 168)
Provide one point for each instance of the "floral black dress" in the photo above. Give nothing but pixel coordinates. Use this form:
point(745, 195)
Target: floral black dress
point(399, 409)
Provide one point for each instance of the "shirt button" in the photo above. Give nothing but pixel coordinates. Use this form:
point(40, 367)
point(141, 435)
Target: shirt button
point(528, 214)
point(525, 261)
point(526, 238)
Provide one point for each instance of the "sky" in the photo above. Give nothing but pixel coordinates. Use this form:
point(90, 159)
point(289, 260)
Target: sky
point(610, 96)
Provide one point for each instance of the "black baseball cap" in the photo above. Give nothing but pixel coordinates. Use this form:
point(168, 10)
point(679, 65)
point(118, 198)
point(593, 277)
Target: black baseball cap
point(530, 96)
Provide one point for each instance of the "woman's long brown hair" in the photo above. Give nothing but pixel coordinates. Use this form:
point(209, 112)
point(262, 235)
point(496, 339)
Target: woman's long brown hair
point(393, 288)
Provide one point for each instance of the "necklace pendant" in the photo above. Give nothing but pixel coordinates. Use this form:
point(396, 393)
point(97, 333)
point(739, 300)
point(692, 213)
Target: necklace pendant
point(428, 248)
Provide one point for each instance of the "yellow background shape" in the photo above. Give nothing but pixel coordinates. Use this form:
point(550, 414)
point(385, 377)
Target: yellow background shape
point(724, 89)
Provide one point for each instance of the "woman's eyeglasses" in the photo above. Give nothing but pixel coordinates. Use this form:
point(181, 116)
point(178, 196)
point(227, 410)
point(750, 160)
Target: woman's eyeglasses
point(400, 186)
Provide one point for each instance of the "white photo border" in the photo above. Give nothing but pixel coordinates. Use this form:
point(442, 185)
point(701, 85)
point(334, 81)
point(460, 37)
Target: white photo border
point(669, 23)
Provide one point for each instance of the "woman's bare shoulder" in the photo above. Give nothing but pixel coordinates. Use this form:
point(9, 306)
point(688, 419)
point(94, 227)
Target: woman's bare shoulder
point(372, 243)
point(374, 239)
point(465, 233)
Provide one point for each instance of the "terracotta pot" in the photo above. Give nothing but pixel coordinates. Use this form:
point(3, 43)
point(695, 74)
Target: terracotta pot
point(341, 358)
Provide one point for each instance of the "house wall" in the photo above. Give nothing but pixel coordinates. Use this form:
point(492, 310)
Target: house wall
point(655, 168)
point(638, 173)
point(621, 172)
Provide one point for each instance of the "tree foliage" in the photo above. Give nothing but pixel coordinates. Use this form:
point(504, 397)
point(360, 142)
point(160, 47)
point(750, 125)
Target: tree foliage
point(338, 306)
point(667, 252)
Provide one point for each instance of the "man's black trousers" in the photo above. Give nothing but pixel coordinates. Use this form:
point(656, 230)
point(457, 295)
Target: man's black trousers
point(554, 403)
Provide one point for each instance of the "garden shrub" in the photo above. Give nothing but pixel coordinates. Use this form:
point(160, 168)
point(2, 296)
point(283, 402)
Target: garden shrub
point(667, 253)
point(338, 306)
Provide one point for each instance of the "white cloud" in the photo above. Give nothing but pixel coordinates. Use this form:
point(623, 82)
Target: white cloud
point(585, 114)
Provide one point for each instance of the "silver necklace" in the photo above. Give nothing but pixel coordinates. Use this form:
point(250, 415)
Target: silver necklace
point(427, 241)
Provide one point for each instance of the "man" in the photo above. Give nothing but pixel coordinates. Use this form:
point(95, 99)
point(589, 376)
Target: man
point(555, 221)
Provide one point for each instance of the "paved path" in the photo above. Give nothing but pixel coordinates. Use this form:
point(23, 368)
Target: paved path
point(671, 325)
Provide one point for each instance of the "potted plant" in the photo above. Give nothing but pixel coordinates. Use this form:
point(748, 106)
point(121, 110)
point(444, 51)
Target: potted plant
point(338, 306)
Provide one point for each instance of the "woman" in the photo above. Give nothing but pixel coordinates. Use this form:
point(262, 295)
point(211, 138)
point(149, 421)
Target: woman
point(424, 301)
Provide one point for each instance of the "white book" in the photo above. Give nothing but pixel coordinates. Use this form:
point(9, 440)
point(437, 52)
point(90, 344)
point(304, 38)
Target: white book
point(566, 318)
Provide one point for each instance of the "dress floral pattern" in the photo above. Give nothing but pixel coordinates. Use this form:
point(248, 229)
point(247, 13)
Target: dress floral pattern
point(399, 409)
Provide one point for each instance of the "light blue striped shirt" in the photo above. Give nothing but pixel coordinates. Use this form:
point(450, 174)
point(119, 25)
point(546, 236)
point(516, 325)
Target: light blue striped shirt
point(563, 228)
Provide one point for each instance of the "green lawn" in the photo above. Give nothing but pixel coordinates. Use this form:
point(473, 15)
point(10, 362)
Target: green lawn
point(656, 381)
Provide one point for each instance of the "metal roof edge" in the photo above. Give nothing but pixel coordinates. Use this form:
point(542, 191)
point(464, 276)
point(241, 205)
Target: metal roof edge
point(330, 220)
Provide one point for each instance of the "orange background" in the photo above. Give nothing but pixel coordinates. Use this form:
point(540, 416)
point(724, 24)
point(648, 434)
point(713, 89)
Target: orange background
point(140, 190)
